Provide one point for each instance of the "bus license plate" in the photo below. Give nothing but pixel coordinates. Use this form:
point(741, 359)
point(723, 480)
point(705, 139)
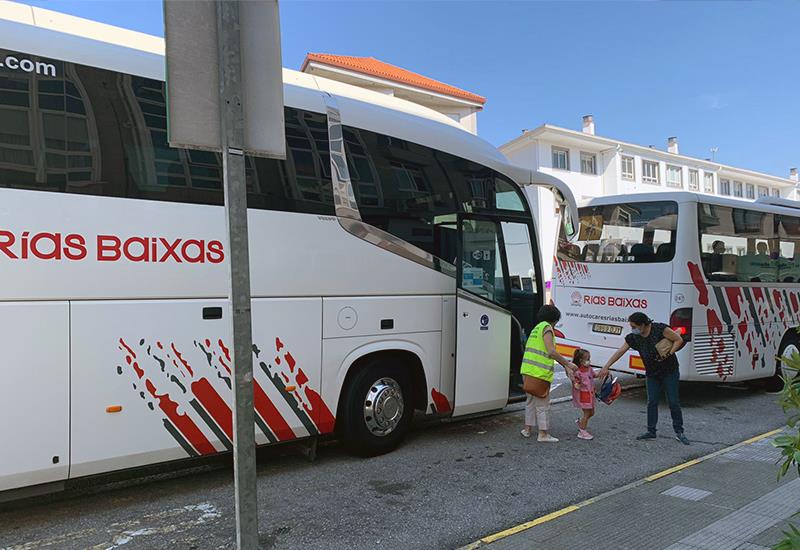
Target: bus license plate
point(606, 329)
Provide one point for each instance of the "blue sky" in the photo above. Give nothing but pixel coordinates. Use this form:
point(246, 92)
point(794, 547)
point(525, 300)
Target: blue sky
point(715, 74)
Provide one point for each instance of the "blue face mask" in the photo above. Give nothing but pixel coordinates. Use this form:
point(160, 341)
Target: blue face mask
point(636, 331)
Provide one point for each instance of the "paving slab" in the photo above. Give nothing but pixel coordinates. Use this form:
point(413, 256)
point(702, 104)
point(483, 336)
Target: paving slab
point(731, 500)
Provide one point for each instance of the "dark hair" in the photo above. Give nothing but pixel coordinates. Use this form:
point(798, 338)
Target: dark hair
point(578, 355)
point(639, 318)
point(549, 314)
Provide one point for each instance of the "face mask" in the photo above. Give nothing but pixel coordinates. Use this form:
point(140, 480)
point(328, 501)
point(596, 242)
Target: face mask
point(636, 331)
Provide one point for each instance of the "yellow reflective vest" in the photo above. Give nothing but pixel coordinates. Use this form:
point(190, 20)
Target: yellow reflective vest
point(536, 361)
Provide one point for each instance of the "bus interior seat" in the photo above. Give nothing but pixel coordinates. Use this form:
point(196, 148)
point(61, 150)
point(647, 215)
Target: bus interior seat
point(610, 253)
point(642, 253)
point(572, 252)
point(664, 252)
point(590, 252)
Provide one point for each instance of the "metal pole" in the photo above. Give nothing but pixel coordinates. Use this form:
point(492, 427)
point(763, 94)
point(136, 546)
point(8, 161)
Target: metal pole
point(233, 168)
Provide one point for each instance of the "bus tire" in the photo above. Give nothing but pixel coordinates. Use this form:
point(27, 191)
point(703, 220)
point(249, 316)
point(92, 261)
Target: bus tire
point(377, 409)
point(789, 345)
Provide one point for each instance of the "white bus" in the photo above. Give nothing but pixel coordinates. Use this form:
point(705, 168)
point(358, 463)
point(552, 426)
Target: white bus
point(113, 310)
point(724, 273)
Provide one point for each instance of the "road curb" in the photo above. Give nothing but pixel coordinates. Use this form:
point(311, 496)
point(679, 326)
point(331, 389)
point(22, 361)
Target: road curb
point(573, 507)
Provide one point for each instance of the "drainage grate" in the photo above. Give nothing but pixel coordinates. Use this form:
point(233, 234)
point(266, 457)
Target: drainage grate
point(686, 493)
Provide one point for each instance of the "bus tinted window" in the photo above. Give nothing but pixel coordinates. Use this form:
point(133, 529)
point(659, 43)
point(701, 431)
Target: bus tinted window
point(415, 192)
point(79, 129)
point(641, 232)
point(743, 245)
point(787, 229)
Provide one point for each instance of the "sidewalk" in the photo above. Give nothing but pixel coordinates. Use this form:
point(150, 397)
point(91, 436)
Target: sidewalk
point(729, 500)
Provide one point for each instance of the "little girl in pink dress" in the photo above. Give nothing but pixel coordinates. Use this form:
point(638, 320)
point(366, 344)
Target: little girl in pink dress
point(583, 391)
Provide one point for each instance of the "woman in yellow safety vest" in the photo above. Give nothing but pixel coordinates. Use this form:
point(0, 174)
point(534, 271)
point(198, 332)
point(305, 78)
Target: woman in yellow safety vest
point(538, 365)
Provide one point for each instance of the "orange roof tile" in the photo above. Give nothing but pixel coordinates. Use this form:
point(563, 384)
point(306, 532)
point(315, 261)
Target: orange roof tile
point(373, 67)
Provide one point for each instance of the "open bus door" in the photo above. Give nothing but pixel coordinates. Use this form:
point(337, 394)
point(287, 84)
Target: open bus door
point(483, 328)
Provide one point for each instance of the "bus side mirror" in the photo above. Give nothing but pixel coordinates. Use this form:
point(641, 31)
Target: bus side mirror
point(569, 219)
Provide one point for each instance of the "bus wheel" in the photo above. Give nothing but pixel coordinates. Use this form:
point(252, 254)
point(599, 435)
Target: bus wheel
point(377, 409)
point(790, 345)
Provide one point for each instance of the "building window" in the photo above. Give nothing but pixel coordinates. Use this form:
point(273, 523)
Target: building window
point(650, 172)
point(708, 182)
point(776, 192)
point(694, 180)
point(588, 163)
point(674, 176)
point(560, 158)
point(750, 191)
point(628, 170)
point(725, 187)
point(737, 189)
point(763, 191)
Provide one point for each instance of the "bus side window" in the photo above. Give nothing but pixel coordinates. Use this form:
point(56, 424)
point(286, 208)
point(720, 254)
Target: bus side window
point(98, 132)
point(788, 229)
point(416, 192)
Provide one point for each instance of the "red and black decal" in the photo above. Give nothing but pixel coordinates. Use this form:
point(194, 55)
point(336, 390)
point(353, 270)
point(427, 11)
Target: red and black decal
point(756, 317)
point(188, 398)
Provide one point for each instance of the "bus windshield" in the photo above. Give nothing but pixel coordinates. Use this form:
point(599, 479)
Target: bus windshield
point(641, 232)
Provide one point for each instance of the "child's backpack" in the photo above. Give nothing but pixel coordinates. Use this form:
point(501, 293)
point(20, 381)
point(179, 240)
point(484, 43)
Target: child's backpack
point(609, 390)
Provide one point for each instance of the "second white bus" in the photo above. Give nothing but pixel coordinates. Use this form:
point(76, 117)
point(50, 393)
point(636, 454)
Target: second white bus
point(724, 273)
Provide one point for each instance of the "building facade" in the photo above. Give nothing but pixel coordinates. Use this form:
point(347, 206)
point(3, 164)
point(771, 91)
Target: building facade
point(373, 74)
point(595, 166)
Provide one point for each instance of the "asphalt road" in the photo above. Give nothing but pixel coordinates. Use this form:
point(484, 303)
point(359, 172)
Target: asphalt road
point(449, 484)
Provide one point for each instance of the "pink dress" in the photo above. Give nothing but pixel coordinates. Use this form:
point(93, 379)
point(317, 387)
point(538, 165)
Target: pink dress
point(583, 396)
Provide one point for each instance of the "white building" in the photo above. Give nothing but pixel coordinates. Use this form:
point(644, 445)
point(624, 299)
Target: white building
point(368, 72)
point(595, 166)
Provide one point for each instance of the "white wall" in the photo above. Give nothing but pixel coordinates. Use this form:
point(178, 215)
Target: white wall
point(583, 185)
point(467, 117)
point(543, 206)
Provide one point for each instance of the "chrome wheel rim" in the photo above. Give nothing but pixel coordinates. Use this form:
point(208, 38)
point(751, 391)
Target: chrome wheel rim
point(383, 406)
point(786, 371)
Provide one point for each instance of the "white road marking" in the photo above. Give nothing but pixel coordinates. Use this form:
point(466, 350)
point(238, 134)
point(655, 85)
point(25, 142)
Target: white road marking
point(121, 533)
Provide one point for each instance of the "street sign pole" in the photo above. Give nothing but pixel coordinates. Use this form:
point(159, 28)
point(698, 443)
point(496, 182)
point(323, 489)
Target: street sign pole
point(225, 94)
point(233, 169)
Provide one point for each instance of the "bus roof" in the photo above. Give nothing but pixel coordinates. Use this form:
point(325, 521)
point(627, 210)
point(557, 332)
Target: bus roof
point(45, 33)
point(763, 204)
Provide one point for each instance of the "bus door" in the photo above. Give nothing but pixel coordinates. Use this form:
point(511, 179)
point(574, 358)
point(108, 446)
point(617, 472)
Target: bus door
point(483, 324)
